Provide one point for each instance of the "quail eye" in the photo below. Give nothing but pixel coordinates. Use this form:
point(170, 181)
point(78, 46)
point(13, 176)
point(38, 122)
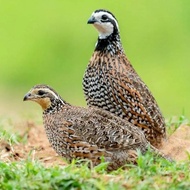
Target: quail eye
point(104, 17)
point(41, 92)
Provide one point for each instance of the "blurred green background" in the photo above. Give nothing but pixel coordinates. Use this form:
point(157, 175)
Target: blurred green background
point(43, 41)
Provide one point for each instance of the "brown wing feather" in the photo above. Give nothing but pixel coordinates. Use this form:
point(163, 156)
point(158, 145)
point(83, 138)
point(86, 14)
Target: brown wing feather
point(135, 99)
point(103, 129)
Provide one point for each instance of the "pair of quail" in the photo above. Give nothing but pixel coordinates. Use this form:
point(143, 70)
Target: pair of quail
point(122, 116)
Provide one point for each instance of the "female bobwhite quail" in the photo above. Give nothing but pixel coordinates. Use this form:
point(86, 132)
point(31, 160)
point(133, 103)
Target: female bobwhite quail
point(87, 133)
point(110, 82)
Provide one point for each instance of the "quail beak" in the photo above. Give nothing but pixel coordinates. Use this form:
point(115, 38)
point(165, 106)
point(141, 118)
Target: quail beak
point(92, 20)
point(27, 97)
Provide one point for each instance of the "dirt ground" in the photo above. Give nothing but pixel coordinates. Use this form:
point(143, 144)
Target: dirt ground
point(177, 145)
point(38, 147)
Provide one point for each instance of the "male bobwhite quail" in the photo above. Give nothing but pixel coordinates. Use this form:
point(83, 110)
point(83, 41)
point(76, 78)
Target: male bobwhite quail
point(87, 133)
point(110, 82)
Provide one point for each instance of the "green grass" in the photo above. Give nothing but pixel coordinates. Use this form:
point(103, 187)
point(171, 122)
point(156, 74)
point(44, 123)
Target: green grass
point(148, 174)
point(174, 122)
point(7, 134)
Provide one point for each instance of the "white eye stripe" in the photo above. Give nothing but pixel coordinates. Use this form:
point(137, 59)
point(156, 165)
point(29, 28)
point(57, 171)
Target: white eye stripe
point(50, 91)
point(55, 95)
point(98, 15)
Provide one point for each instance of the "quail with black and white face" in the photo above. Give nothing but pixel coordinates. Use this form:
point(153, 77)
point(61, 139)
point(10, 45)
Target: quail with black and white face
point(88, 133)
point(110, 82)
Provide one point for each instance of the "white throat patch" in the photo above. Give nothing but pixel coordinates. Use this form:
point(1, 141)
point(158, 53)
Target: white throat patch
point(104, 30)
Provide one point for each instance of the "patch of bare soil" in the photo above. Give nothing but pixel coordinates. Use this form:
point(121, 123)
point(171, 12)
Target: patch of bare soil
point(37, 146)
point(178, 144)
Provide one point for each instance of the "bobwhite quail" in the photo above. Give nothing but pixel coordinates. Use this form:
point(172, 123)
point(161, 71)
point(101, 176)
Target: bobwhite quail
point(110, 82)
point(87, 133)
